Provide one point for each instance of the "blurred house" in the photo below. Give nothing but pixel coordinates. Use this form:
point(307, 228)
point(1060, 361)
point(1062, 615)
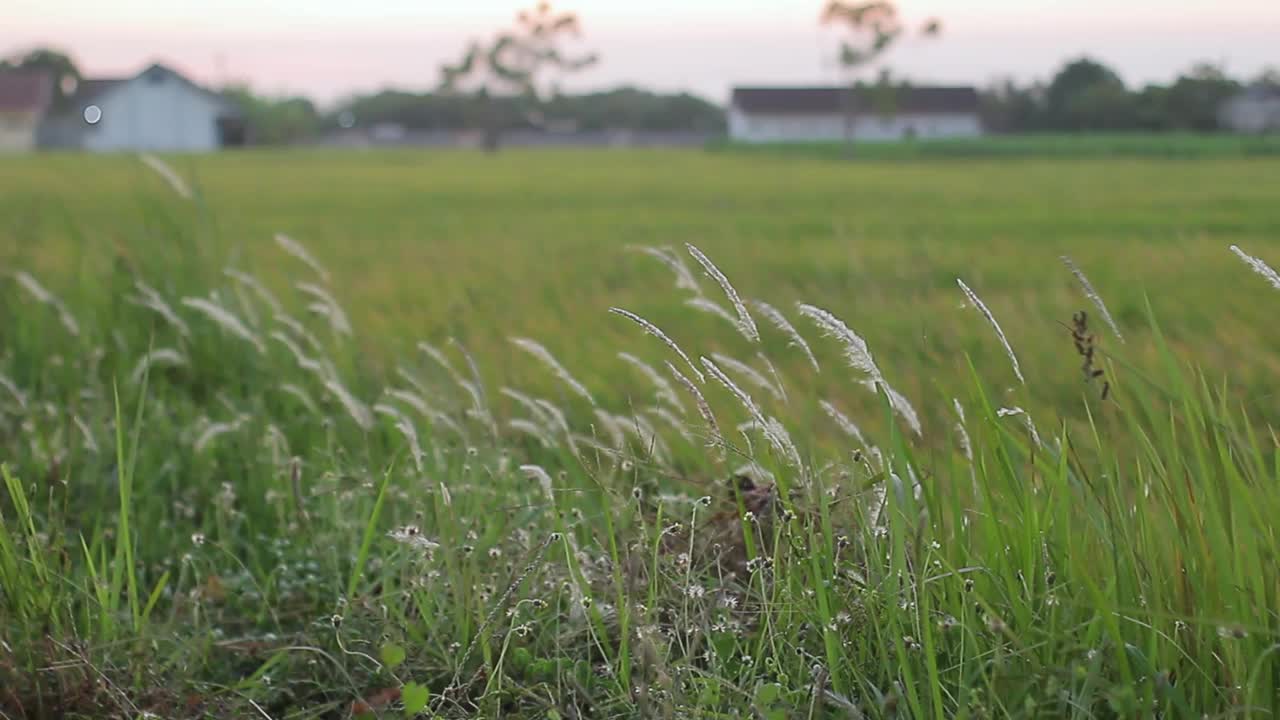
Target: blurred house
point(1254, 110)
point(156, 110)
point(824, 114)
point(25, 99)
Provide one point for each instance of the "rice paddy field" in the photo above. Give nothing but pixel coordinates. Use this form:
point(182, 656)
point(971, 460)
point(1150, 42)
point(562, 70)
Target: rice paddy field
point(557, 434)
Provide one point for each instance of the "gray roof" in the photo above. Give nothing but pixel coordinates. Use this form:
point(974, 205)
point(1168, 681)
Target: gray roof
point(92, 89)
point(818, 100)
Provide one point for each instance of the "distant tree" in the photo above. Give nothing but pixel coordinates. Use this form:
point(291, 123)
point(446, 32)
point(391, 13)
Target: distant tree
point(1007, 108)
point(522, 63)
point(65, 72)
point(1196, 96)
point(1087, 95)
point(275, 121)
point(873, 27)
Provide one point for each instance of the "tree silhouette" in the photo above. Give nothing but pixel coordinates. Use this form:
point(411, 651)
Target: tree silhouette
point(65, 73)
point(873, 27)
point(520, 64)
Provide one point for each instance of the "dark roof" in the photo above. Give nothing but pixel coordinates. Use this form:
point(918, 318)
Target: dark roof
point(25, 90)
point(88, 90)
point(816, 100)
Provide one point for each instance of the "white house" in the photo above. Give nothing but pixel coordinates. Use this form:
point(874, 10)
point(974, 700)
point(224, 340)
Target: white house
point(1255, 110)
point(820, 114)
point(156, 110)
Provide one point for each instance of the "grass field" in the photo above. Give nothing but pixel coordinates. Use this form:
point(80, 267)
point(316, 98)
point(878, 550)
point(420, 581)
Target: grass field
point(219, 507)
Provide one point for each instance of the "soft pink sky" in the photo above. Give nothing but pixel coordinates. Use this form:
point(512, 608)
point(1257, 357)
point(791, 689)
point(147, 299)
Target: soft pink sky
point(326, 48)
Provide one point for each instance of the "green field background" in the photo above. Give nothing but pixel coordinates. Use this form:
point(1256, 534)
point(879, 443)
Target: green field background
point(430, 245)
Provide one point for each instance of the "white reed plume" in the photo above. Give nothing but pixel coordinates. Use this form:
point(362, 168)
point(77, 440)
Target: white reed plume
point(858, 355)
point(778, 433)
point(1026, 419)
point(160, 356)
point(479, 410)
point(664, 389)
point(668, 256)
point(8, 384)
point(414, 381)
point(225, 319)
point(536, 472)
point(855, 348)
point(441, 420)
point(213, 431)
point(779, 440)
point(982, 308)
point(90, 443)
point(898, 402)
point(33, 287)
point(778, 320)
point(546, 358)
point(670, 419)
point(1258, 266)
point(406, 428)
point(440, 358)
point(301, 396)
point(842, 421)
point(962, 431)
point(559, 421)
point(1093, 296)
point(747, 325)
point(655, 331)
point(532, 429)
point(530, 404)
point(646, 435)
point(358, 411)
point(412, 399)
point(704, 408)
point(296, 249)
point(327, 306)
point(712, 307)
point(167, 173)
point(299, 330)
point(304, 361)
point(258, 289)
point(611, 428)
point(481, 393)
point(42, 295)
point(752, 375)
point(151, 299)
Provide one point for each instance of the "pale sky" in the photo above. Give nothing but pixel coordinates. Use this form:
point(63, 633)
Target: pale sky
point(327, 48)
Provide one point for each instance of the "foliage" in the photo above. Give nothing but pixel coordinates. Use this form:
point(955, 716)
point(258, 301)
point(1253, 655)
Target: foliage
point(623, 108)
point(1085, 95)
point(275, 121)
point(516, 63)
point(221, 531)
point(59, 64)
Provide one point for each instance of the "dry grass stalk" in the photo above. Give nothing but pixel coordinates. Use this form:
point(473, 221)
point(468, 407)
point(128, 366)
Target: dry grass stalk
point(655, 331)
point(1258, 266)
point(745, 322)
point(296, 249)
point(1093, 296)
point(794, 339)
point(982, 308)
point(544, 356)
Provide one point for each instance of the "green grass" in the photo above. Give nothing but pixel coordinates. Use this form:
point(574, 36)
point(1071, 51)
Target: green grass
point(235, 531)
point(1036, 145)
